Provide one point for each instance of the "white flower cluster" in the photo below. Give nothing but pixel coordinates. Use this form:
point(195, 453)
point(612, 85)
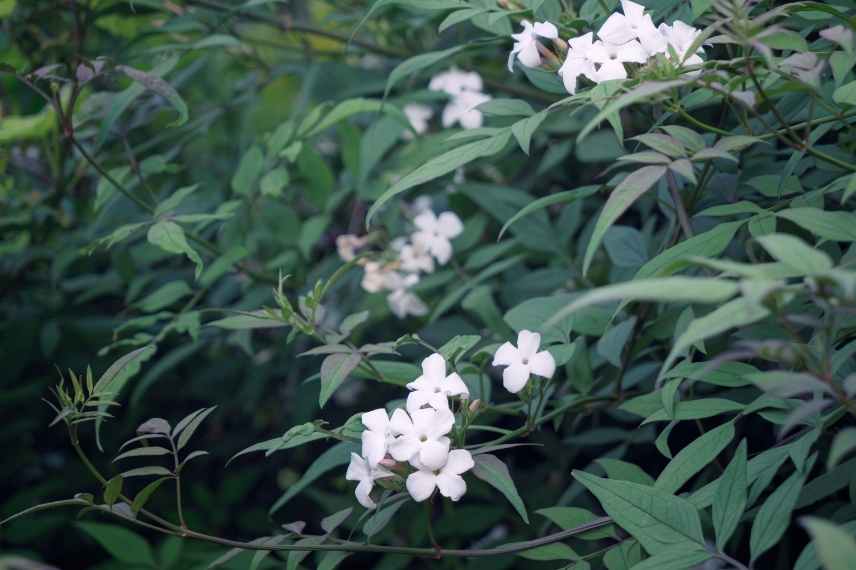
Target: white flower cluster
point(416, 436)
point(465, 92)
point(430, 243)
point(630, 37)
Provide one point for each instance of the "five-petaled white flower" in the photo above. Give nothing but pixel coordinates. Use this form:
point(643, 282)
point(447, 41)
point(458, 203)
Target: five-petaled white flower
point(418, 116)
point(523, 361)
point(347, 246)
point(421, 436)
point(377, 435)
point(680, 37)
point(420, 484)
point(633, 24)
point(360, 470)
point(462, 109)
point(413, 258)
point(401, 300)
point(577, 62)
point(434, 387)
point(526, 43)
point(454, 81)
point(375, 276)
point(611, 58)
point(434, 232)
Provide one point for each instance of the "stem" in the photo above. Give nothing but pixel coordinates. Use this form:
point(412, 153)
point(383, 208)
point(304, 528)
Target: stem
point(735, 563)
point(429, 514)
point(178, 502)
point(680, 209)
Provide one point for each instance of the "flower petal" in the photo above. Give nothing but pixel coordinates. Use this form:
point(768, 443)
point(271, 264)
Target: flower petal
point(434, 367)
point(374, 446)
point(514, 377)
point(506, 355)
point(403, 448)
point(420, 485)
point(543, 364)
point(440, 247)
point(459, 461)
point(400, 423)
point(546, 30)
point(611, 70)
point(449, 224)
point(433, 454)
point(358, 469)
point(454, 385)
point(376, 420)
point(528, 343)
point(616, 30)
point(452, 486)
point(363, 493)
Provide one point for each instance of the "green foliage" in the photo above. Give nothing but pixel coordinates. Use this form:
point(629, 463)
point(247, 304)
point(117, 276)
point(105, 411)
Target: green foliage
point(214, 204)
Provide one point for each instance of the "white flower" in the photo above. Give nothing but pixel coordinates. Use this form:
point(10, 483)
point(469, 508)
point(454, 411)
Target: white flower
point(418, 116)
point(420, 484)
point(375, 276)
point(414, 257)
point(633, 24)
point(839, 35)
point(433, 387)
point(680, 37)
point(611, 58)
point(421, 436)
point(526, 43)
point(577, 62)
point(462, 109)
point(454, 82)
point(360, 470)
point(377, 435)
point(434, 232)
point(401, 301)
point(523, 361)
point(347, 246)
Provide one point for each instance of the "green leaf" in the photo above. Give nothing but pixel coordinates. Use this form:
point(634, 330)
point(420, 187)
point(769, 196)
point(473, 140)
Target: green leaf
point(273, 183)
point(736, 313)
point(836, 547)
point(113, 489)
point(443, 164)
point(525, 128)
point(145, 494)
point(624, 195)
point(170, 237)
point(678, 557)
point(572, 517)
point(334, 370)
point(347, 109)
point(694, 457)
point(658, 520)
point(337, 455)
point(666, 144)
point(249, 170)
point(164, 297)
point(457, 346)
point(175, 200)
point(644, 92)
point(148, 451)
point(186, 432)
point(796, 253)
point(696, 410)
point(381, 517)
point(554, 551)
point(125, 546)
point(844, 443)
point(774, 516)
point(494, 472)
point(417, 63)
point(730, 499)
point(146, 471)
point(835, 226)
point(846, 94)
point(623, 471)
point(257, 320)
point(541, 203)
point(110, 383)
point(667, 289)
point(156, 84)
